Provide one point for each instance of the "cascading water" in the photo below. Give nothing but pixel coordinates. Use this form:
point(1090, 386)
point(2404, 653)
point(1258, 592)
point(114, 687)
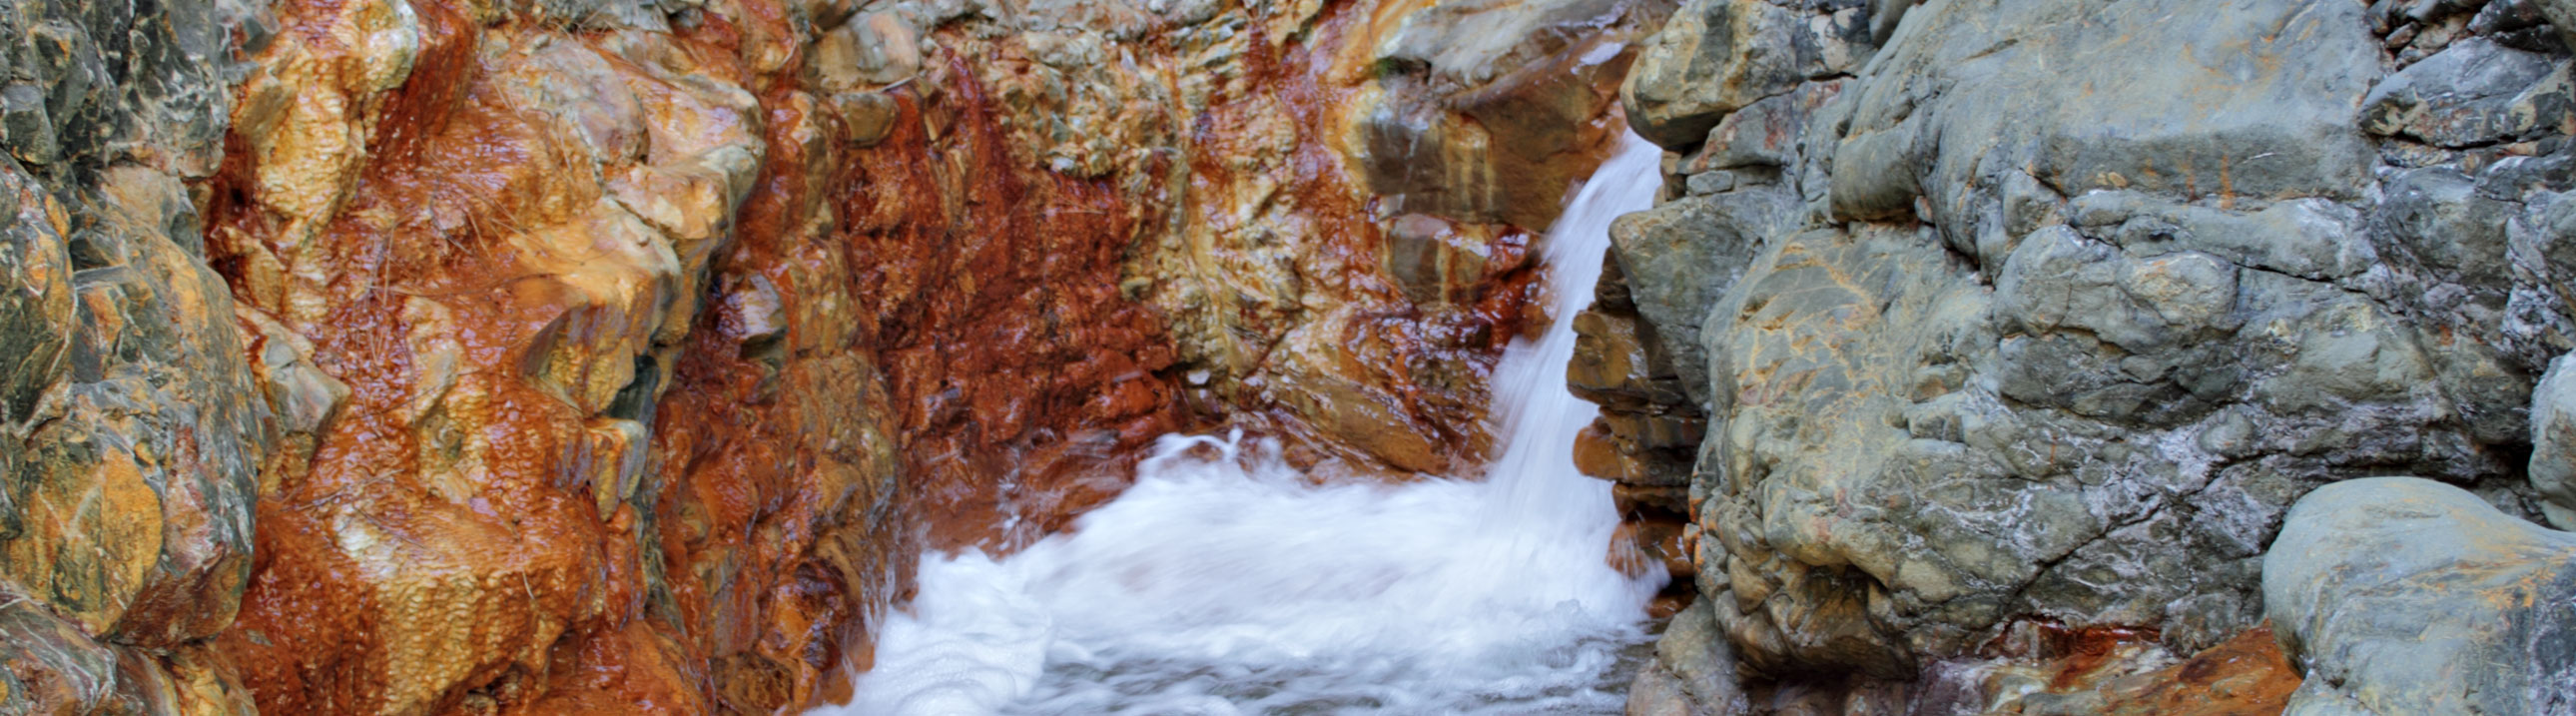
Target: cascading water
point(1224, 582)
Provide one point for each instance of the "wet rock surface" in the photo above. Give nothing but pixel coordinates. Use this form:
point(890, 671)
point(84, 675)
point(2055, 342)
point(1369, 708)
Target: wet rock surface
point(1229, 238)
point(1482, 102)
point(2050, 310)
point(500, 234)
point(422, 357)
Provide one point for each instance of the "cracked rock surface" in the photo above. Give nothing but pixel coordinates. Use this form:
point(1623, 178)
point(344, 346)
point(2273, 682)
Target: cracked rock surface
point(134, 423)
point(2400, 595)
point(2049, 310)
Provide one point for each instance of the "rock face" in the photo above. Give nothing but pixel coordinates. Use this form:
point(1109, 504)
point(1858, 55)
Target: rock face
point(1720, 56)
point(134, 422)
point(2024, 309)
point(2553, 441)
point(1243, 235)
point(2401, 595)
point(1481, 102)
point(502, 232)
point(419, 356)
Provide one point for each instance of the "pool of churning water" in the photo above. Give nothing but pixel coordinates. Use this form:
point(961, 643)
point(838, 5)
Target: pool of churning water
point(1226, 582)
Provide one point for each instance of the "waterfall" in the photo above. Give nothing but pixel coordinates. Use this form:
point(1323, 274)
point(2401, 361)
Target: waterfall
point(1224, 582)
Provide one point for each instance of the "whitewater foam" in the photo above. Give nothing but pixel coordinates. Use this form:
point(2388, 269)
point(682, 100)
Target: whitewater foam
point(1225, 582)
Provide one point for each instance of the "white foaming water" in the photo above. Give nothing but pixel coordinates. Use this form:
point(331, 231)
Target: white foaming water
point(1224, 582)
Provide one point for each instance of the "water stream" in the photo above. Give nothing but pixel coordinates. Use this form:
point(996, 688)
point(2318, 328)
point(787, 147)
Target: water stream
point(1223, 582)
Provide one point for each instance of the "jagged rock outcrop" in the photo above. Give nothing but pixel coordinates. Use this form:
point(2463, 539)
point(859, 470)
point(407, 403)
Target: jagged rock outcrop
point(2400, 595)
point(1236, 168)
point(501, 228)
point(2050, 309)
point(1647, 431)
point(580, 356)
point(133, 420)
point(1479, 105)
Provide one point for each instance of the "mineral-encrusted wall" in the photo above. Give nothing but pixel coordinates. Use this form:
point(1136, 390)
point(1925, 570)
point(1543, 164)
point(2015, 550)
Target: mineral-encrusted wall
point(571, 356)
point(496, 226)
point(2017, 315)
point(1208, 206)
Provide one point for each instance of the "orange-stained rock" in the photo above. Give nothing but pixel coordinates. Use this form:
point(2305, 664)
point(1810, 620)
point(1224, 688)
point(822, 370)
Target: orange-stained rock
point(1633, 498)
point(986, 288)
point(628, 357)
point(2109, 670)
point(429, 356)
point(498, 238)
point(1646, 439)
point(1282, 282)
point(1662, 541)
point(1211, 174)
point(1482, 106)
point(2243, 676)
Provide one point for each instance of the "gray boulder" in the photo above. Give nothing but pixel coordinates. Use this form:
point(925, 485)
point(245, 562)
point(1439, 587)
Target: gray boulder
point(2066, 327)
point(2050, 309)
point(1718, 56)
point(2474, 92)
point(1681, 256)
point(1694, 672)
point(2553, 441)
point(2397, 595)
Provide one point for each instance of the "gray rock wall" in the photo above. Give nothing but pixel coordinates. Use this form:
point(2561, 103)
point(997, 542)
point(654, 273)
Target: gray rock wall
point(2049, 309)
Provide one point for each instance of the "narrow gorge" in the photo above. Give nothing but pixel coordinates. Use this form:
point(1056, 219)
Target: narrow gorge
point(1656, 357)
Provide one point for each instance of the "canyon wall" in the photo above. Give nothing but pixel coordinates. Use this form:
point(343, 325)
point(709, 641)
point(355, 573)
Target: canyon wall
point(430, 356)
point(1984, 333)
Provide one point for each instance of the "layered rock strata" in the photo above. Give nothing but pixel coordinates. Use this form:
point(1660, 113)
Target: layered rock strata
point(2002, 313)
